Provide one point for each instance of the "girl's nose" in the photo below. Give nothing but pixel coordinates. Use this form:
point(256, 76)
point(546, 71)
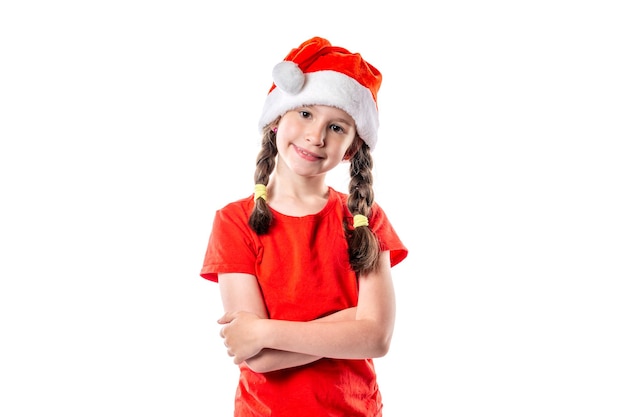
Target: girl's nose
point(316, 135)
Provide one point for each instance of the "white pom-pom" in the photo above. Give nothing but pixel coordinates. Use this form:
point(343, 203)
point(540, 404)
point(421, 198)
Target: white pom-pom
point(288, 76)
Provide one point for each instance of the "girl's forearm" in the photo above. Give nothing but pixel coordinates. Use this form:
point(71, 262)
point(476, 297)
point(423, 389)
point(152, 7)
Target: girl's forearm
point(272, 360)
point(350, 339)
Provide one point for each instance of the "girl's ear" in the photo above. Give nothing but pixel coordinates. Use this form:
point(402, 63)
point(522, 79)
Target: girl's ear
point(274, 125)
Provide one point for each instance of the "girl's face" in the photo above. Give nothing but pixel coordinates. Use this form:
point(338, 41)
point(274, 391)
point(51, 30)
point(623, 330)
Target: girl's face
point(312, 140)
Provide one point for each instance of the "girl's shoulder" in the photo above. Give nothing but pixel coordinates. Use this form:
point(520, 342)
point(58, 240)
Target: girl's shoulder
point(242, 204)
point(236, 211)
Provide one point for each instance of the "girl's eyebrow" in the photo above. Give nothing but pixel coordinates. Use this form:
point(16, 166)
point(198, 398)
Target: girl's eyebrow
point(349, 123)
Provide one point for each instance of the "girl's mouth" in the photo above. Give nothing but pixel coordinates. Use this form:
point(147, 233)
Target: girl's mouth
point(306, 155)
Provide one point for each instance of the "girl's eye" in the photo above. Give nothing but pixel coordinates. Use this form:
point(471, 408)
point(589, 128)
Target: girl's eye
point(336, 129)
point(305, 114)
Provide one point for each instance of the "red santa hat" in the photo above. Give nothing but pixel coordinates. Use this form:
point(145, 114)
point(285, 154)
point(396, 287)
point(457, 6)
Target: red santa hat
point(318, 73)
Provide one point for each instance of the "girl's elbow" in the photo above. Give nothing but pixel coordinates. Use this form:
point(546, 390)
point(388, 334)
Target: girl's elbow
point(381, 345)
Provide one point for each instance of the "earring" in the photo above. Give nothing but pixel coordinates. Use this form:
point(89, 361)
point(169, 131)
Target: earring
point(275, 130)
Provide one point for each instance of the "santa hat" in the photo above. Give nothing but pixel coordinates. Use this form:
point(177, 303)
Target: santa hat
point(318, 73)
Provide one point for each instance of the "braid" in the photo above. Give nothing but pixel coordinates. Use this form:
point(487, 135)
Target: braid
point(261, 216)
point(363, 245)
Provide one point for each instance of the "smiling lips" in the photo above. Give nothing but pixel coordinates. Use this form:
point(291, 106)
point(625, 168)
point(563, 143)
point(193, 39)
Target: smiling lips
point(306, 155)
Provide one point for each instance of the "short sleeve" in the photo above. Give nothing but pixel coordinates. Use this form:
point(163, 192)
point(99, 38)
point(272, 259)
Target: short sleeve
point(231, 247)
point(387, 236)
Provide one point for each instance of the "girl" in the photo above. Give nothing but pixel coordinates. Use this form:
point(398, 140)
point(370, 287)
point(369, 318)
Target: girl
point(304, 270)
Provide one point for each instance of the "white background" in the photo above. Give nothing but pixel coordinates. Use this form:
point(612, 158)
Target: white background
point(125, 124)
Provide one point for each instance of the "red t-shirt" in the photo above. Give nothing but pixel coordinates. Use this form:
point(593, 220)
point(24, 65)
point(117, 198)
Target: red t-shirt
point(303, 271)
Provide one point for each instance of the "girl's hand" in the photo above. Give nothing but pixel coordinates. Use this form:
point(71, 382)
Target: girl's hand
point(239, 334)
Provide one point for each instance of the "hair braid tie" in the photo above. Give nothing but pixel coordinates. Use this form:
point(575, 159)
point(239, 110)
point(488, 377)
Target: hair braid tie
point(360, 220)
point(260, 192)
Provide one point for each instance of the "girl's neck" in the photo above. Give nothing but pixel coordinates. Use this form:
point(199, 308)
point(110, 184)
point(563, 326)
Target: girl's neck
point(301, 197)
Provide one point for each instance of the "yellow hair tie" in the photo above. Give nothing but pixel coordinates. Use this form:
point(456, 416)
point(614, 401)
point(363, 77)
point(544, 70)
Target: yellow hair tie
point(360, 220)
point(260, 192)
